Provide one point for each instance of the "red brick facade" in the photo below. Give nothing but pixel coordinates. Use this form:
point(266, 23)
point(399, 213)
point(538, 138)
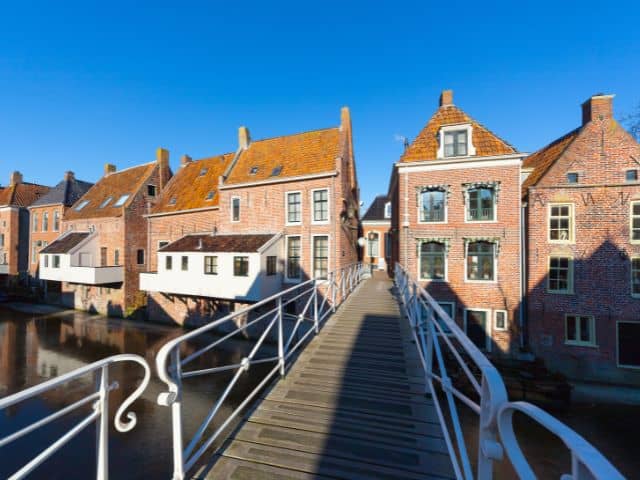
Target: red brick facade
point(41, 217)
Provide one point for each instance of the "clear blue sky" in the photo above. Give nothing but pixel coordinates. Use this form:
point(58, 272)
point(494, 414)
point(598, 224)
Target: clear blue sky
point(82, 85)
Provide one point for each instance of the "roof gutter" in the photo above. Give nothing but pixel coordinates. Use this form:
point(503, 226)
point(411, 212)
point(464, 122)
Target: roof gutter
point(448, 161)
point(333, 173)
point(178, 212)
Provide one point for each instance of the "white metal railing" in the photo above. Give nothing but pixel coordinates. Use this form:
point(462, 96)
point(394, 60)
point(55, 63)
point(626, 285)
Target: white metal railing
point(317, 299)
point(100, 414)
point(435, 334)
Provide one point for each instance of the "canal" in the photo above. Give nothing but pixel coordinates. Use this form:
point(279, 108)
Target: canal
point(34, 348)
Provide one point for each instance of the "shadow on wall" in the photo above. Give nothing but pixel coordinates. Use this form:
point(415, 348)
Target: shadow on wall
point(83, 298)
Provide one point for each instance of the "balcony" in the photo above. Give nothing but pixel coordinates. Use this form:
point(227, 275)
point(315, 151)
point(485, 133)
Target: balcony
point(83, 275)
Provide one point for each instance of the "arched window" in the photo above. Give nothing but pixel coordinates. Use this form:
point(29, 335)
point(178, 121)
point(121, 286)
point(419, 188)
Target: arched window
point(432, 261)
point(481, 261)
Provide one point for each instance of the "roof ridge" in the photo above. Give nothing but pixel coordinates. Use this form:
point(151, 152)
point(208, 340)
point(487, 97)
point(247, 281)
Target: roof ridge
point(293, 134)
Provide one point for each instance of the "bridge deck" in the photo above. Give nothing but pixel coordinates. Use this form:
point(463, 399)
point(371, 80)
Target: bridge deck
point(352, 406)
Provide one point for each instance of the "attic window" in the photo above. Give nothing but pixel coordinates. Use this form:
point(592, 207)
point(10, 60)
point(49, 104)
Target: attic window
point(631, 175)
point(121, 200)
point(151, 190)
point(276, 171)
point(203, 172)
point(106, 201)
point(173, 201)
point(210, 195)
point(82, 204)
point(253, 170)
point(572, 177)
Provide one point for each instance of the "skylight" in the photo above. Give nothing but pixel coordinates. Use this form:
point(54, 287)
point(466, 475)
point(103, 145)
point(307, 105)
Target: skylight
point(254, 170)
point(106, 202)
point(203, 172)
point(276, 171)
point(210, 195)
point(121, 200)
point(82, 204)
point(173, 201)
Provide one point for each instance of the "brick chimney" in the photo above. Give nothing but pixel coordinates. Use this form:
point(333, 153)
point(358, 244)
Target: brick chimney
point(69, 176)
point(15, 178)
point(185, 159)
point(446, 98)
point(162, 159)
point(109, 168)
point(244, 139)
point(598, 107)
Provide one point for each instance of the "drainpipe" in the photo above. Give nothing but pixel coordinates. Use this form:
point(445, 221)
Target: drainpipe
point(523, 276)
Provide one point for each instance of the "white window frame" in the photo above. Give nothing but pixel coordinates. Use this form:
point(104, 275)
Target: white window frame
point(571, 276)
point(288, 279)
point(495, 321)
point(495, 265)
point(163, 241)
point(631, 204)
point(387, 210)
point(488, 325)
point(313, 254)
point(446, 265)
point(572, 222)
point(471, 150)
point(446, 208)
point(34, 222)
point(56, 220)
point(286, 208)
point(579, 343)
point(369, 255)
point(618, 364)
point(45, 221)
point(313, 211)
point(467, 209)
point(239, 209)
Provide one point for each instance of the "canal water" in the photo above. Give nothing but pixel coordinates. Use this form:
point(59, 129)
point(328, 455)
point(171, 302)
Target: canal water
point(34, 348)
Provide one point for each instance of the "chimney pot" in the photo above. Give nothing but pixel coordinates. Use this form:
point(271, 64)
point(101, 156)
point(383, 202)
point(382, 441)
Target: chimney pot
point(598, 107)
point(244, 139)
point(16, 178)
point(109, 168)
point(69, 176)
point(185, 159)
point(446, 98)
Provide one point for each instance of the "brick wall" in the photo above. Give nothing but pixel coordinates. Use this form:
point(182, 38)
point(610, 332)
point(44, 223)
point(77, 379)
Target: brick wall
point(39, 234)
point(10, 227)
point(381, 230)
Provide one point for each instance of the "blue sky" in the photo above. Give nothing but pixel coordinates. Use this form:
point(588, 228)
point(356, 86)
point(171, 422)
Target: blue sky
point(82, 85)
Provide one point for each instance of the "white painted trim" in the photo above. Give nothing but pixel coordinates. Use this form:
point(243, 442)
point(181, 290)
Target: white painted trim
point(495, 321)
point(446, 265)
point(578, 343)
point(279, 180)
point(454, 163)
point(618, 364)
point(572, 223)
point(487, 326)
point(312, 207)
point(286, 208)
point(631, 204)
point(239, 209)
point(376, 223)
point(313, 253)
point(446, 210)
point(467, 204)
point(471, 149)
point(286, 278)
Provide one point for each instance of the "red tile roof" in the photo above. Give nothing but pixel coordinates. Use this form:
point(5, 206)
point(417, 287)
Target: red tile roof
point(21, 194)
point(206, 242)
point(192, 184)
point(298, 155)
point(425, 145)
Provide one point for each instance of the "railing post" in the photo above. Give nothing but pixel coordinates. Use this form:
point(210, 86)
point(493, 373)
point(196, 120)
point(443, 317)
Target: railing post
point(488, 433)
point(102, 430)
point(343, 285)
point(176, 417)
point(429, 350)
point(315, 306)
point(280, 337)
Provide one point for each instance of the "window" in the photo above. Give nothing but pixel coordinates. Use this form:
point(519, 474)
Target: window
point(46, 261)
point(387, 210)
point(1, 239)
point(572, 177)
point(294, 207)
point(455, 143)
point(172, 201)
point(432, 261)
point(580, 330)
point(168, 262)
point(151, 190)
point(561, 223)
point(56, 221)
point(116, 257)
point(121, 200)
point(81, 205)
point(321, 257)
point(55, 261)
point(35, 222)
point(210, 195)
point(560, 275)
point(320, 206)
point(45, 222)
point(240, 266)
point(210, 265)
point(635, 221)
point(203, 172)
point(184, 263)
point(293, 258)
point(373, 244)
point(235, 209)
point(34, 252)
point(631, 175)
point(106, 202)
point(140, 257)
point(253, 170)
point(628, 341)
point(500, 320)
point(162, 244)
point(480, 261)
point(272, 266)
point(276, 171)
point(481, 204)
point(432, 206)
point(635, 277)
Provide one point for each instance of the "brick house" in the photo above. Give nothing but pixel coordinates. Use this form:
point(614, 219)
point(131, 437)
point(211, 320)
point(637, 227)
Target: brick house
point(583, 251)
point(14, 226)
point(299, 190)
point(104, 246)
point(376, 227)
point(47, 213)
point(455, 196)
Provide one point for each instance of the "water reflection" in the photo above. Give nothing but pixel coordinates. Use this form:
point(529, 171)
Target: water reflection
point(36, 348)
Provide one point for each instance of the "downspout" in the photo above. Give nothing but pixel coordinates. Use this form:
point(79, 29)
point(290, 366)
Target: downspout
point(523, 276)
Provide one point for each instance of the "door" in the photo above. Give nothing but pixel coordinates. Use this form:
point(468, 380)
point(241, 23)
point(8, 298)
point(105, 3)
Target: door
point(628, 341)
point(103, 256)
point(476, 326)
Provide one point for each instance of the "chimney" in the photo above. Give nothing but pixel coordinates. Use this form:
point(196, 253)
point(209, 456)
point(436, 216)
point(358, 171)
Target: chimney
point(109, 168)
point(185, 159)
point(446, 98)
point(162, 159)
point(345, 119)
point(69, 176)
point(244, 139)
point(16, 178)
point(598, 107)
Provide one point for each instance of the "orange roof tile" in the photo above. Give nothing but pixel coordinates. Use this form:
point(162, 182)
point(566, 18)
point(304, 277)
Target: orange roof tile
point(191, 186)
point(299, 154)
point(115, 185)
point(425, 145)
point(22, 194)
point(541, 160)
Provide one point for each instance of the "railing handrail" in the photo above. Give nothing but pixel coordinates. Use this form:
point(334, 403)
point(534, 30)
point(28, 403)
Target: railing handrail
point(100, 411)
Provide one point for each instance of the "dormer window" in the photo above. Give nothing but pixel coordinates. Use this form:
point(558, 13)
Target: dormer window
point(121, 201)
point(81, 205)
point(387, 210)
point(151, 190)
point(456, 141)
